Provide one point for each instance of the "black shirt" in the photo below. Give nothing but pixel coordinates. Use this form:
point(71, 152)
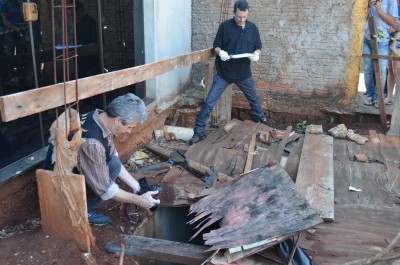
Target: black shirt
point(236, 40)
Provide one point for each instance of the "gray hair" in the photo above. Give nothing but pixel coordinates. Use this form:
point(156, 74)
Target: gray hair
point(129, 107)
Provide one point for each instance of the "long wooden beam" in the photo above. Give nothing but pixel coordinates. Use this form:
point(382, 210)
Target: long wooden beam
point(382, 57)
point(163, 250)
point(33, 101)
point(315, 178)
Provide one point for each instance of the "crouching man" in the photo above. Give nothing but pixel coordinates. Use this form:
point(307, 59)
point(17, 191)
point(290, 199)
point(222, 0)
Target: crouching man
point(98, 159)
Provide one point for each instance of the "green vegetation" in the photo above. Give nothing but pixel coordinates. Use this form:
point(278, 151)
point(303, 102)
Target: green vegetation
point(301, 126)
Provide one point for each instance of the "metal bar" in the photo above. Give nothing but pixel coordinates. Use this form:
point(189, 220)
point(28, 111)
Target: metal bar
point(76, 56)
point(100, 42)
point(54, 42)
point(35, 76)
point(294, 249)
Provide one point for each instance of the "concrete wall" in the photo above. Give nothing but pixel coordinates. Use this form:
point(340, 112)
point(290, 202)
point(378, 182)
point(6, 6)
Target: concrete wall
point(311, 49)
point(167, 34)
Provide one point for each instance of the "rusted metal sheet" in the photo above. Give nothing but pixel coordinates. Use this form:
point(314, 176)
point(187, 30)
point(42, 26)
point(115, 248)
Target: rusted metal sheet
point(227, 161)
point(225, 151)
point(176, 185)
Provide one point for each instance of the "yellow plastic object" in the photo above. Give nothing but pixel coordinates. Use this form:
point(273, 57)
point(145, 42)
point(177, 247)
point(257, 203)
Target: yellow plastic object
point(30, 11)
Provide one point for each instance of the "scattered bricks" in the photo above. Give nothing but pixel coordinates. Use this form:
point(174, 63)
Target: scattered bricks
point(315, 129)
point(356, 137)
point(360, 158)
point(339, 132)
point(264, 137)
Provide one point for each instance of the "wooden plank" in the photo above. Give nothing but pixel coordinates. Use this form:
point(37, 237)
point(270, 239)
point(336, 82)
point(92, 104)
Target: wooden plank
point(262, 155)
point(192, 164)
point(224, 105)
point(63, 207)
point(395, 121)
point(250, 154)
point(160, 249)
point(33, 101)
point(220, 258)
point(292, 164)
point(223, 108)
point(380, 56)
point(236, 253)
point(282, 144)
point(378, 81)
point(315, 175)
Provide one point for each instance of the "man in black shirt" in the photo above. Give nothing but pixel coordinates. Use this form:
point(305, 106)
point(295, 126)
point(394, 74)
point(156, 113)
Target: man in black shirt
point(235, 36)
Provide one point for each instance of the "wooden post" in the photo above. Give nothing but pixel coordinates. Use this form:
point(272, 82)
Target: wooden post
point(395, 121)
point(379, 87)
point(223, 108)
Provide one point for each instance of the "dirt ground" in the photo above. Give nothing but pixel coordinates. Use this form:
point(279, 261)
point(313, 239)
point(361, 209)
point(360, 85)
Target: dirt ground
point(25, 243)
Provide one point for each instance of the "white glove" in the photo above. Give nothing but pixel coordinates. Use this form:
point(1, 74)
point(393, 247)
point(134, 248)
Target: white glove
point(223, 55)
point(255, 57)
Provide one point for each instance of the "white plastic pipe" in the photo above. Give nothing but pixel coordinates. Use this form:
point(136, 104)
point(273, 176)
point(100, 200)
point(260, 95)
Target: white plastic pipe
point(178, 133)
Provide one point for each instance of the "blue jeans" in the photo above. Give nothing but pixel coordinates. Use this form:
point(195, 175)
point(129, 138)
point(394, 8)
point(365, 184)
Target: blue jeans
point(369, 77)
point(218, 87)
point(114, 168)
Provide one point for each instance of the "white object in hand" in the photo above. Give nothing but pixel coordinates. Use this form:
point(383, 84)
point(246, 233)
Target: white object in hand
point(242, 55)
point(255, 57)
point(223, 55)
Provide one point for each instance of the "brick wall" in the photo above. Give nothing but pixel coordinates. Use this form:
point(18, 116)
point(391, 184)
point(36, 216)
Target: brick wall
point(310, 48)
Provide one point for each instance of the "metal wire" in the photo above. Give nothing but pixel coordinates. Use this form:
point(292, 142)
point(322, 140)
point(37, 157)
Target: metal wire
point(66, 55)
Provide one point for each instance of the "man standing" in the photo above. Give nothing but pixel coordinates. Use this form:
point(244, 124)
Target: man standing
point(234, 36)
point(98, 159)
point(385, 14)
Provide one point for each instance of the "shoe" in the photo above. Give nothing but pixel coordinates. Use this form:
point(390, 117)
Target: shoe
point(197, 137)
point(369, 101)
point(263, 121)
point(376, 104)
point(98, 219)
point(388, 101)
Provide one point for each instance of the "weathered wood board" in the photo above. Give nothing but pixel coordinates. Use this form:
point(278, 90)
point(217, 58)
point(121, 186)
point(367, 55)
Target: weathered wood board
point(292, 164)
point(246, 205)
point(33, 101)
point(315, 174)
point(160, 249)
point(223, 108)
point(63, 207)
